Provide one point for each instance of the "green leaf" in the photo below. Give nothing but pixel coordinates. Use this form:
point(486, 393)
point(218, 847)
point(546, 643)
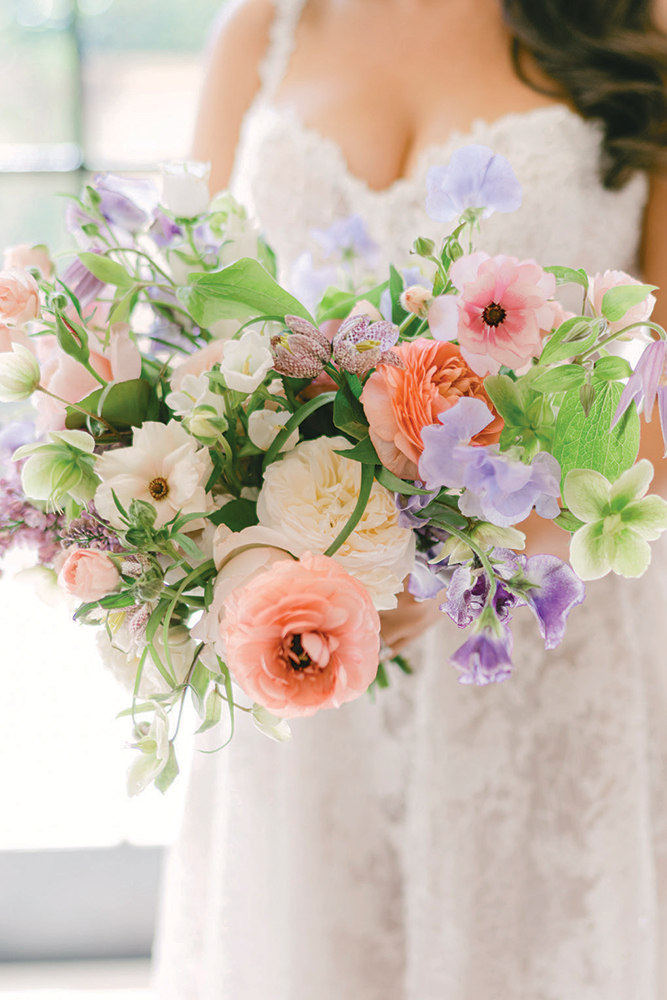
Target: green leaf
point(337, 304)
point(587, 442)
point(236, 292)
point(363, 452)
point(122, 307)
point(568, 276)
point(295, 421)
point(612, 368)
point(574, 336)
point(200, 678)
point(213, 713)
point(617, 301)
point(365, 487)
point(559, 379)
point(398, 313)
point(169, 773)
point(106, 270)
point(568, 522)
point(122, 404)
point(190, 548)
point(237, 515)
point(396, 485)
point(348, 413)
point(506, 398)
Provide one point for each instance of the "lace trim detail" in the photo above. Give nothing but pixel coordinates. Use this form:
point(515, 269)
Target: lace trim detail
point(282, 38)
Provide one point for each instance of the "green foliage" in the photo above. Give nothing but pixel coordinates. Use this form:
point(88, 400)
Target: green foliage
point(583, 442)
point(568, 276)
point(559, 379)
point(106, 270)
point(527, 414)
point(239, 291)
point(617, 301)
point(363, 452)
point(398, 313)
point(348, 414)
point(122, 404)
point(237, 514)
point(574, 336)
point(396, 485)
point(337, 303)
point(612, 369)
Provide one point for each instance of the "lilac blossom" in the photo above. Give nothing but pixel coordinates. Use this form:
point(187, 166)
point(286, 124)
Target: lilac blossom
point(486, 657)
point(22, 523)
point(90, 532)
point(301, 353)
point(348, 238)
point(648, 382)
point(475, 177)
point(360, 344)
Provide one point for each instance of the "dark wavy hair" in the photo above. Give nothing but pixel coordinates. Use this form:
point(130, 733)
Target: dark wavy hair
point(609, 60)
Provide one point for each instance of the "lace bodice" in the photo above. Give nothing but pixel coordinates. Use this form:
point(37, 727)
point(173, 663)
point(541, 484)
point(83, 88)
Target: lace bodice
point(293, 180)
point(445, 843)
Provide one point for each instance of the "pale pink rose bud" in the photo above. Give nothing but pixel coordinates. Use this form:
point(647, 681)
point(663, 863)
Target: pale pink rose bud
point(365, 308)
point(26, 256)
point(415, 299)
point(88, 574)
point(19, 297)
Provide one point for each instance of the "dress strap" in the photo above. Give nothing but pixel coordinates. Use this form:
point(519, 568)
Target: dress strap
point(282, 38)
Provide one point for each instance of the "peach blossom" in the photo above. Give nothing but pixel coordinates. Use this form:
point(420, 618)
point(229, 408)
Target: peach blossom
point(88, 574)
point(19, 297)
point(302, 636)
point(26, 256)
point(399, 402)
point(65, 377)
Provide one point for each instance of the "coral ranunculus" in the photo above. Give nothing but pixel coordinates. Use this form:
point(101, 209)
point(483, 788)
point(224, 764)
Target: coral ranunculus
point(400, 402)
point(302, 636)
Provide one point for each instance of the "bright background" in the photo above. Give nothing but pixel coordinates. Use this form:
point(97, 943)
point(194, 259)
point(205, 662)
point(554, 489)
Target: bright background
point(85, 86)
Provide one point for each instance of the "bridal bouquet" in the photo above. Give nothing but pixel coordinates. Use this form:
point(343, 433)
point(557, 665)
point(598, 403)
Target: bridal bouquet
point(231, 480)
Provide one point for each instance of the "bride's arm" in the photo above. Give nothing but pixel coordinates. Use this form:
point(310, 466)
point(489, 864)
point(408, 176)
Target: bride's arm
point(231, 80)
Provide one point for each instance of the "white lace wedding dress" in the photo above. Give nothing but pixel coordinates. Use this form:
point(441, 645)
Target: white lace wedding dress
point(445, 843)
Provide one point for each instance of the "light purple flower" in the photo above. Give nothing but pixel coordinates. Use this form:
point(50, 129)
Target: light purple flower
point(440, 464)
point(468, 590)
point(126, 203)
point(163, 229)
point(557, 589)
point(503, 490)
point(348, 238)
point(475, 177)
point(408, 507)
point(648, 382)
point(82, 282)
point(309, 283)
point(486, 657)
point(301, 353)
point(360, 344)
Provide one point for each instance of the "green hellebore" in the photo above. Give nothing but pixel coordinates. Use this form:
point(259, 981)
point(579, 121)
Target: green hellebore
point(62, 467)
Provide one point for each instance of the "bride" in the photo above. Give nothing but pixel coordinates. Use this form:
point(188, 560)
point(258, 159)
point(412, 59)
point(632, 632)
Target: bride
point(444, 843)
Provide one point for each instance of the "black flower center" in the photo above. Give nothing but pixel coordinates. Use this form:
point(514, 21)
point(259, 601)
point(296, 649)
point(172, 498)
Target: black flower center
point(494, 314)
point(298, 656)
point(158, 488)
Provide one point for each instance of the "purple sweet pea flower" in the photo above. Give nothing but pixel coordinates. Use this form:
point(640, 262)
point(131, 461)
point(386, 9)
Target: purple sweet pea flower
point(348, 238)
point(426, 581)
point(126, 203)
point(474, 178)
point(360, 344)
point(486, 657)
point(468, 591)
point(408, 507)
point(503, 490)
point(82, 282)
point(439, 464)
point(163, 229)
point(557, 589)
point(309, 283)
point(648, 382)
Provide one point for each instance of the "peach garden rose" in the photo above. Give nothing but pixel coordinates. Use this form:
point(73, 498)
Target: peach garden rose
point(399, 402)
point(302, 636)
point(88, 574)
point(19, 297)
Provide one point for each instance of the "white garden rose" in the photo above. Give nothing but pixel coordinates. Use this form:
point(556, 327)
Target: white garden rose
point(185, 188)
point(309, 497)
point(164, 467)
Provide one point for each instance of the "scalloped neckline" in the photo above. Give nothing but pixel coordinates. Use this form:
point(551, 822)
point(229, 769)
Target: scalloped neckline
point(426, 155)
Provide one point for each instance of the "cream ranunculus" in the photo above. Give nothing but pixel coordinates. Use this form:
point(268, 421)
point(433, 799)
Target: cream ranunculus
point(309, 496)
point(164, 467)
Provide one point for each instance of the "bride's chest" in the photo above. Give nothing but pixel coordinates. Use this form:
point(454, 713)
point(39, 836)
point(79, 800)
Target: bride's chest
point(293, 180)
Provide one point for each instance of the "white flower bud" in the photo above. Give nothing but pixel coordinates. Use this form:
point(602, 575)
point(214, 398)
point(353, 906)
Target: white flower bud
point(185, 188)
point(19, 374)
point(415, 299)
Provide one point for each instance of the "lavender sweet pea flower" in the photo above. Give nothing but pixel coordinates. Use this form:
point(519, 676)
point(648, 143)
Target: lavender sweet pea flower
point(486, 657)
point(348, 238)
point(503, 490)
point(468, 590)
point(126, 203)
point(360, 344)
point(557, 589)
point(82, 282)
point(440, 464)
point(648, 382)
point(163, 230)
point(408, 507)
point(474, 178)
point(309, 283)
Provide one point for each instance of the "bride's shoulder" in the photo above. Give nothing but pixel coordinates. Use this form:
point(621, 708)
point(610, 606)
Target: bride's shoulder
point(236, 48)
